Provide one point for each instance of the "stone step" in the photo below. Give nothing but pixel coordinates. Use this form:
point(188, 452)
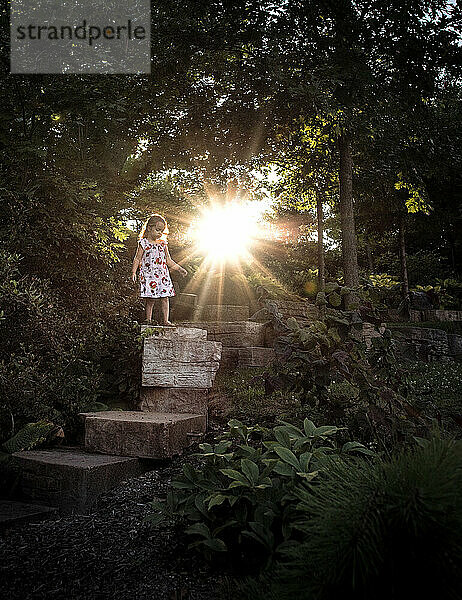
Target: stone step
point(141, 434)
point(70, 478)
point(174, 333)
point(221, 312)
point(303, 312)
point(435, 315)
point(183, 306)
point(174, 400)
point(180, 363)
point(14, 513)
point(233, 334)
point(247, 357)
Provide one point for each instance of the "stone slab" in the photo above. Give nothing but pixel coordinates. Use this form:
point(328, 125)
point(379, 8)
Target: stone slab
point(176, 400)
point(370, 331)
point(233, 334)
point(455, 346)
point(247, 357)
point(180, 363)
point(221, 312)
point(179, 376)
point(435, 315)
point(174, 333)
point(183, 306)
point(70, 478)
point(187, 299)
point(141, 434)
point(13, 512)
point(304, 311)
point(421, 343)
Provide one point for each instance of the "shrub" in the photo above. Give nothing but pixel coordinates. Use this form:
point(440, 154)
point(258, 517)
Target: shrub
point(383, 530)
point(241, 500)
point(53, 362)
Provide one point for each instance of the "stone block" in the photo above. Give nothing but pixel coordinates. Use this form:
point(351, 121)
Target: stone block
point(435, 315)
point(221, 312)
point(183, 306)
point(370, 331)
point(301, 311)
point(141, 434)
point(174, 400)
point(455, 346)
point(421, 343)
point(180, 363)
point(13, 512)
point(174, 333)
point(70, 478)
point(247, 357)
point(235, 334)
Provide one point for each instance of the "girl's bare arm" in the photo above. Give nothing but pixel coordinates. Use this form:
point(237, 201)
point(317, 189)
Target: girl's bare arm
point(173, 265)
point(136, 261)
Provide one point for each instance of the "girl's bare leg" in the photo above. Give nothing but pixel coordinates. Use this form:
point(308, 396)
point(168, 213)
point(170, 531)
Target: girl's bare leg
point(165, 309)
point(149, 306)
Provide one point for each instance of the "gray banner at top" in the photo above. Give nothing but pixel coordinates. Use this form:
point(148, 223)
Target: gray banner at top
point(80, 36)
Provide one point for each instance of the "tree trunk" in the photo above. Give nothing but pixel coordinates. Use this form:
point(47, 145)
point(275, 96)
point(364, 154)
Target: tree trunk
point(349, 250)
point(402, 256)
point(319, 215)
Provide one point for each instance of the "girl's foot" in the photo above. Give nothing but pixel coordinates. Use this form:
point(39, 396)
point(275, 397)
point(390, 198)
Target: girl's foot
point(168, 324)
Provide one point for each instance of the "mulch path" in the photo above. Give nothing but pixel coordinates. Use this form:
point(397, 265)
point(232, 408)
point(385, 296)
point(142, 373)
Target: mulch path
point(108, 554)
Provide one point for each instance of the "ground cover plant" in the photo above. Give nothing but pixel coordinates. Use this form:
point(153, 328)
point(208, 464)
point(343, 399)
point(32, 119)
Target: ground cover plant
point(240, 498)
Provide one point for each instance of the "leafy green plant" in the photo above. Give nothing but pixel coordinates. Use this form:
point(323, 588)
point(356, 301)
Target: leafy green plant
point(29, 437)
point(448, 291)
point(241, 499)
point(332, 350)
point(382, 529)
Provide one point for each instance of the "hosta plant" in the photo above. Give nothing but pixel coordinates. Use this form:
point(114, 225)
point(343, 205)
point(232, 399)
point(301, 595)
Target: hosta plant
point(242, 497)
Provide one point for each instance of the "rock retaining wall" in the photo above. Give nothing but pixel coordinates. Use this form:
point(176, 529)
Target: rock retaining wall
point(427, 344)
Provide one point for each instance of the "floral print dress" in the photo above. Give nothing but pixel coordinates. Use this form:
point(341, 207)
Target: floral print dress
point(155, 278)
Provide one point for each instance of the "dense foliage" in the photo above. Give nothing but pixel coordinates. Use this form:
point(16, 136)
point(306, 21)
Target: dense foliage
point(381, 529)
point(241, 498)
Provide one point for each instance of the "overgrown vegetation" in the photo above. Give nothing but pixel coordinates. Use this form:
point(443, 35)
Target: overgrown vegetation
point(241, 499)
point(376, 529)
point(53, 364)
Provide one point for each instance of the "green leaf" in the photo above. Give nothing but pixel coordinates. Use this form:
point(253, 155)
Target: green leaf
point(292, 324)
point(308, 476)
point(199, 529)
point(282, 468)
point(335, 299)
point(305, 459)
point(333, 332)
point(293, 431)
point(331, 287)
point(154, 519)
point(233, 474)
point(182, 485)
point(287, 456)
point(236, 484)
point(216, 500)
point(282, 436)
point(357, 447)
point(215, 544)
point(325, 430)
point(250, 470)
point(309, 427)
point(190, 473)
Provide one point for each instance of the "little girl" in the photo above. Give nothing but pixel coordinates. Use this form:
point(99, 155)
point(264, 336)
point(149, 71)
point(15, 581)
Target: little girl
point(153, 258)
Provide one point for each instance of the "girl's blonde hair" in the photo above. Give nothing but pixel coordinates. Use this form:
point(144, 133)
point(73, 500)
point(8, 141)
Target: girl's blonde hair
point(152, 220)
